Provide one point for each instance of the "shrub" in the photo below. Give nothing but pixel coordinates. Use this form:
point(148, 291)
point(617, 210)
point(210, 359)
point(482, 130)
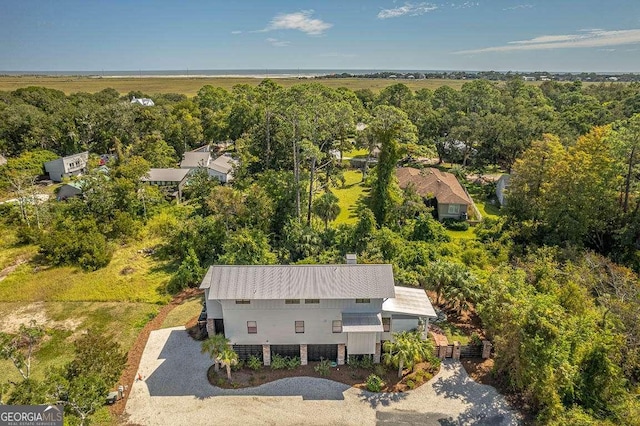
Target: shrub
point(293, 363)
point(367, 362)
point(237, 366)
point(455, 225)
point(411, 384)
point(254, 363)
point(379, 370)
point(475, 339)
point(278, 362)
point(323, 367)
point(374, 383)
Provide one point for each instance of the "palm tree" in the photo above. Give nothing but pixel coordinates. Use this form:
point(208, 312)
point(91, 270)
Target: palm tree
point(406, 349)
point(227, 358)
point(326, 207)
point(214, 346)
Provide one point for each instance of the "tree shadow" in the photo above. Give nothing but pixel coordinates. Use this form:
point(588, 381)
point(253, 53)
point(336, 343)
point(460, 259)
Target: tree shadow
point(183, 372)
point(383, 399)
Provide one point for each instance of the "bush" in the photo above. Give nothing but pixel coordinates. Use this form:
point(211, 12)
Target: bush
point(411, 384)
point(237, 366)
point(374, 383)
point(278, 362)
point(475, 339)
point(254, 363)
point(293, 363)
point(455, 225)
point(367, 362)
point(379, 370)
point(323, 367)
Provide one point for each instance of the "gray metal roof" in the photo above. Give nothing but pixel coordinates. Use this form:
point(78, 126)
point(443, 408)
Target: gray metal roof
point(299, 282)
point(410, 301)
point(191, 160)
point(165, 175)
point(362, 323)
point(223, 164)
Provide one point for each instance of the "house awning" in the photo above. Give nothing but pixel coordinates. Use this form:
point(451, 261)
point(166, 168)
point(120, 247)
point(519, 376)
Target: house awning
point(362, 323)
point(409, 301)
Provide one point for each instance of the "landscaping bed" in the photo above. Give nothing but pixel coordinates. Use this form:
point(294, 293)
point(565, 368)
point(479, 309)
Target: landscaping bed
point(352, 376)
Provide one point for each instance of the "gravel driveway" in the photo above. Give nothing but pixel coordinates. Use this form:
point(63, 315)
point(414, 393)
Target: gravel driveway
point(175, 391)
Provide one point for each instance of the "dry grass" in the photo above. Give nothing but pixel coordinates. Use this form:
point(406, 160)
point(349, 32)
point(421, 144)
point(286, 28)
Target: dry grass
point(183, 313)
point(190, 86)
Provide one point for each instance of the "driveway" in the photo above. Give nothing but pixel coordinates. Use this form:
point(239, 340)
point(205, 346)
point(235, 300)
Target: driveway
point(175, 390)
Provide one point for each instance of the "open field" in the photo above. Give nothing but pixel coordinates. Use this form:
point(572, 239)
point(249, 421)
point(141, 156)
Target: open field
point(348, 196)
point(190, 86)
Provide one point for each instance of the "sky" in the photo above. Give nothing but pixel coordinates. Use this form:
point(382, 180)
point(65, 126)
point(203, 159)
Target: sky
point(520, 35)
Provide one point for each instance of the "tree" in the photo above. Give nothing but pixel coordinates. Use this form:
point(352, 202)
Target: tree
point(214, 346)
point(18, 348)
point(247, 247)
point(405, 350)
point(389, 127)
point(155, 150)
point(189, 273)
point(228, 358)
point(326, 207)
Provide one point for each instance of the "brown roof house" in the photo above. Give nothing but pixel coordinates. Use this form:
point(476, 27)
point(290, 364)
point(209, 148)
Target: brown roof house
point(451, 200)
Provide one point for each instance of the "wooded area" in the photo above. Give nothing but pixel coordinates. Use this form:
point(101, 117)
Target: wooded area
point(553, 277)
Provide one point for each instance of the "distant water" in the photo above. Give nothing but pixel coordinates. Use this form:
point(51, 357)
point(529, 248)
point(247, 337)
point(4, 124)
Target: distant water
point(281, 73)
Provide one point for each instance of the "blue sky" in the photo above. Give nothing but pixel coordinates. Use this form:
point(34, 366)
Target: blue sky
point(56, 35)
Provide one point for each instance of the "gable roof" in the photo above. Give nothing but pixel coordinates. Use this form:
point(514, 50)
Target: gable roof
point(432, 182)
point(165, 175)
point(223, 164)
point(194, 159)
point(228, 282)
point(410, 301)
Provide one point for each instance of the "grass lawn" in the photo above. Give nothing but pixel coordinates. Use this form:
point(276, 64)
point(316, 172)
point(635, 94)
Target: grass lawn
point(469, 234)
point(453, 333)
point(348, 196)
point(180, 315)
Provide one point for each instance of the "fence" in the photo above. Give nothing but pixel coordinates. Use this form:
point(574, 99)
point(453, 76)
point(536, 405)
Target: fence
point(457, 351)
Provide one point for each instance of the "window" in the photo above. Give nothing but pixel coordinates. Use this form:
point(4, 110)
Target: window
point(311, 301)
point(292, 301)
point(252, 327)
point(386, 324)
point(454, 208)
point(243, 302)
point(299, 326)
point(363, 300)
point(336, 326)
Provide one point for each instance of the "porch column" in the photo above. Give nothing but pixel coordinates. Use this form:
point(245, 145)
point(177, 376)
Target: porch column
point(303, 354)
point(442, 351)
point(211, 328)
point(486, 349)
point(266, 355)
point(341, 353)
point(456, 351)
point(377, 354)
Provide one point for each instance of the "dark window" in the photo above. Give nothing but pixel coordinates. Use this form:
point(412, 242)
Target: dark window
point(292, 301)
point(252, 327)
point(386, 324)
point(363, 300)
point(311, 301)
point(336, 326)
point(299, 326)
point(243, 302)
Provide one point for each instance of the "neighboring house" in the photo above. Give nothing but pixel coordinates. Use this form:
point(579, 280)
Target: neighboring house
point(310, 311)
point(63, 167)
point(451, 200)
point(171, 180)
point(69, 190)
point(501, 185)
point(221, 168)
point(142, 101)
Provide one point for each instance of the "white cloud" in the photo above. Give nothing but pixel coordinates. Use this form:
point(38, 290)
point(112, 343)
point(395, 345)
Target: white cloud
point(301, 21)
point(337, 55)
point(236, 32)
point(588, 38)
point(519, 6)
point(408, 9)
point(278, 43)
point(465, 5)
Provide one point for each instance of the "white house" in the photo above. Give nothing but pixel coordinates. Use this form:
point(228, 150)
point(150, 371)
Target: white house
point(71, 165)
point(142, 101)
point(221, 168)
point(501, 185)
point(171, 180)
point(310, 311)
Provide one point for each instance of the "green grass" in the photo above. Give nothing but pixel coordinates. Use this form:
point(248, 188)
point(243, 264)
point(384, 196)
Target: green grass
point(469, 234)
point(143, 280)
point(453, 333)
point(349, 195)
point(180, 315)
point(354, 153)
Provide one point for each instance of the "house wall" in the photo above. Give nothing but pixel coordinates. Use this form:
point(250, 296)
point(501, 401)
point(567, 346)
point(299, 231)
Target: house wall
point(362, 343)
point(443, 211)
point(276, 320)
point(55, 169)
point(222, 177)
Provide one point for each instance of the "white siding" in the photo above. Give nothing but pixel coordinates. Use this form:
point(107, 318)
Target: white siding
point(361, 343)
point(214, 309)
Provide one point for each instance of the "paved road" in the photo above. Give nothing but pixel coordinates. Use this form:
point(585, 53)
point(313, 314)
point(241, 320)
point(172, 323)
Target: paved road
point(175, 391)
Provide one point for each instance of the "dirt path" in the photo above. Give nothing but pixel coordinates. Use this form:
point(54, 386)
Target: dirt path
point(135, 353)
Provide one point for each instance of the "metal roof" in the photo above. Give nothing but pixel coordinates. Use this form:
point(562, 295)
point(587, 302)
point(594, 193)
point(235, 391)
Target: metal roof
point(165, 175)
point(191, 160)
point(299, 282)
point(223, 164)
point(410, 301)
point(362, 323)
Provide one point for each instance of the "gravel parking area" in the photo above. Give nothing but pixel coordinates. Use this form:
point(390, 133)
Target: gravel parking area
point(175, 390)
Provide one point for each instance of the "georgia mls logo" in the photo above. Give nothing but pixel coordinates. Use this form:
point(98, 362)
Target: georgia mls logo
point(30, 415)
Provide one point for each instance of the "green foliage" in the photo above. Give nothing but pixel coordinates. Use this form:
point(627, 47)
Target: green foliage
point(279, 362)
point(406, 349)
point(189, 274)
point(247, 247)
point(411, 384)
point(323, 367)
point(28, 392)
point(97, 354)
point(455, 225)
point(293, 363)
point(254, 363)
point(428, 229)
point(374, 383)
